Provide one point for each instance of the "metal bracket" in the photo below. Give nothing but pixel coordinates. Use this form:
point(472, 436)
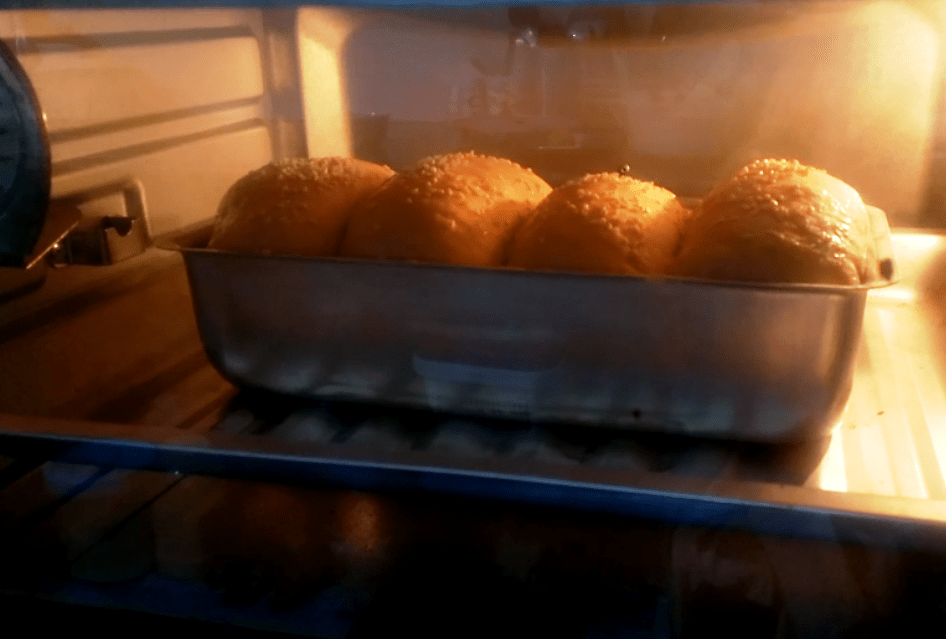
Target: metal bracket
point(100, 240)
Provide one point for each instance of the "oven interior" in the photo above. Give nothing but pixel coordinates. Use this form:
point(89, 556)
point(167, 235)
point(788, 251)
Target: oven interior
point(136, 480)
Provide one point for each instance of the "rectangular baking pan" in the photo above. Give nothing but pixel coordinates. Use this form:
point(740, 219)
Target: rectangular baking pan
point(765, 363)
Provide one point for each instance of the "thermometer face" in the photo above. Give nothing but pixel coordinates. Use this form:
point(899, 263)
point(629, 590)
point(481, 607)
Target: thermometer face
point(24, 163)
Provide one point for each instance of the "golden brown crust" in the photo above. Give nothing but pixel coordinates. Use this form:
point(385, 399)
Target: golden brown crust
point(601, 223)
point(451, 209)
point(298, 206)
point(779, 221)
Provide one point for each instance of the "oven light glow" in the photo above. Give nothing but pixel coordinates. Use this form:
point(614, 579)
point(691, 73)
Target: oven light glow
point(831, 474)
point(894, 294)
point(914, 243)
point(915, 253)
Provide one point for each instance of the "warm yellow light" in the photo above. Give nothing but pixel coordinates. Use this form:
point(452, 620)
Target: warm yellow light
point(910, 244)
point(831, 473)
point(323, 33)
point(896, 294)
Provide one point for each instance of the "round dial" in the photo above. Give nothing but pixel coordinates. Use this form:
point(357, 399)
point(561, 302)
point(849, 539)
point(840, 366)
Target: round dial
point(24, 163)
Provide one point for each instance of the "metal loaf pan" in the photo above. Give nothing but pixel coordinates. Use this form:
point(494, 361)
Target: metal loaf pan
point(768, 363)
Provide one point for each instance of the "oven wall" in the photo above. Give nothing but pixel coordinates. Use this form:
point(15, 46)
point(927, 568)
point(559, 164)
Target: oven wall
point(185, 102)
point(688, 94)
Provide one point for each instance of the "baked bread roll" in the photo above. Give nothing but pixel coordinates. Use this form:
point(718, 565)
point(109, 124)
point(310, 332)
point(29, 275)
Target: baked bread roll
point(601, 223)
point(780, 221)
point(297, 206)
point(450, 209)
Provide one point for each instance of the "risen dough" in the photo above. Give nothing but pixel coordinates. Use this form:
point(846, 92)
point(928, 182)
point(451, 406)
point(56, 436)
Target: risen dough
point(780, 221)
point(451, 209)
point(297, 206)
point(602, 223)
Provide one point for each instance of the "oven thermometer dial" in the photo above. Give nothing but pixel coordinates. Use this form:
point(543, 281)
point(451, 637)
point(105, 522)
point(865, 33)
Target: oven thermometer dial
point(25, 171)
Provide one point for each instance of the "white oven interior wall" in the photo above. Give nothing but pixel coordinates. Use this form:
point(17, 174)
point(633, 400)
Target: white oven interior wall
point(185, 102)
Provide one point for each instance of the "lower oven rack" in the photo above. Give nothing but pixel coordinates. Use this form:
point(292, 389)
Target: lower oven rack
point(675, 480)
